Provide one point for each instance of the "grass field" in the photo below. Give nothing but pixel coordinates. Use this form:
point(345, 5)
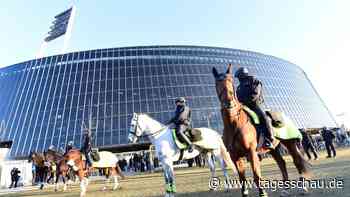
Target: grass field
point(194, 182)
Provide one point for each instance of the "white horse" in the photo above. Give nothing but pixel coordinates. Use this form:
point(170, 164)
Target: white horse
point(162, 138)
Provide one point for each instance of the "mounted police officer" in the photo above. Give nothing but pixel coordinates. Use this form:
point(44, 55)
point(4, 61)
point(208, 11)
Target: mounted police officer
point(249, 93)
point(87, 147)
point(182, 121)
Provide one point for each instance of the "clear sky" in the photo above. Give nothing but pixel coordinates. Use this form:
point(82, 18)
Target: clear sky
point(314, 34)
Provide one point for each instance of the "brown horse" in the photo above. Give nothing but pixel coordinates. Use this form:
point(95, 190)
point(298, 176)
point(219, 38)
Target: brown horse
point(41, 169)
point(108, 160)
point(62, 170)
point(240, 137)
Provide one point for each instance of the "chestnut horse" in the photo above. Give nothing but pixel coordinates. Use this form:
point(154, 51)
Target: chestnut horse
point(107, 160)
point(62, 170)
point(240, 137)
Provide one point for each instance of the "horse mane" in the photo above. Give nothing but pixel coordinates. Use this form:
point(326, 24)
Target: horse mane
point(151, 118)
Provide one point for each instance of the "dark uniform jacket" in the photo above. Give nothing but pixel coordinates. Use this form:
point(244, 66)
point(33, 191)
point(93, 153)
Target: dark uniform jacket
point(182, 115)
point(87, 144)
point(307, 139)
point(328, 135)
point(249, 91)
point(14, 173)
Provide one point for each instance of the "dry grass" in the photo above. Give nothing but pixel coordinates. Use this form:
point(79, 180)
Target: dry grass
point(194, 182)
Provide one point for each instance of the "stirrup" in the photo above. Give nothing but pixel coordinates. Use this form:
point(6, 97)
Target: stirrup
point(268, 144)
point(190, 148)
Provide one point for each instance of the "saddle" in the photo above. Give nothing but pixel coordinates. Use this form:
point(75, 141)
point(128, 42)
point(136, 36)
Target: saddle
point(194, 135)
point(95, 155)
point(254, 119)
point(277, 118)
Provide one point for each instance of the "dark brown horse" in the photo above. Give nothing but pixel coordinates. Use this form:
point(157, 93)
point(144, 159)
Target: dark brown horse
point(41, 169)
point(240, 136)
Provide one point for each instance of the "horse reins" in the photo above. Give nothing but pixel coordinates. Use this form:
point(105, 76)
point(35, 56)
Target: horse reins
point(146, 135)
point(228, 107)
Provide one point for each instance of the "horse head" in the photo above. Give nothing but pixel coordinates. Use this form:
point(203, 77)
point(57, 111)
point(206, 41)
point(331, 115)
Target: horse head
point(225, 89)
point(135, 131)
point(142, 125)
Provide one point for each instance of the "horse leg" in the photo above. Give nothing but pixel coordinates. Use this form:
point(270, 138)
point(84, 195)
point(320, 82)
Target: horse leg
point(168, 169)
point(119, 171)
point(56, 181)
point(41, 178)
point(65, 183)
point(255, 165)
point(106, 170)
point(115, 178)
point(300, 163)
point(239, 163)
point(276, 155)
point(83, 182)
point(227, 184)
point(211, 165)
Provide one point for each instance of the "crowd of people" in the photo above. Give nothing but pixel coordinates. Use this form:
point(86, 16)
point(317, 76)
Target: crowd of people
point(138, 162)
point(326, 140)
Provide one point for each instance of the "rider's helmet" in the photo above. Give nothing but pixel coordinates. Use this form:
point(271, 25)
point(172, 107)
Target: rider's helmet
point(70, 143)
point(180, 100)
point(242, 73)
point(51, 147)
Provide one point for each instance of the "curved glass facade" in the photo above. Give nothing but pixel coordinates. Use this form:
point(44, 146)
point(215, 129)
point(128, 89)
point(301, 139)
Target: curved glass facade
point(45, 101)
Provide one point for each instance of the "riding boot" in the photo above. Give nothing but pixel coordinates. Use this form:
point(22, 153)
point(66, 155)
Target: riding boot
point(265, 123)
point(187, 141)
point(269, 139)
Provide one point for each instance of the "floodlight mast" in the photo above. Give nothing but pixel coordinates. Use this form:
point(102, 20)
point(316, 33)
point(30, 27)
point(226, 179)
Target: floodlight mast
point(61, 26)
point(68, 34)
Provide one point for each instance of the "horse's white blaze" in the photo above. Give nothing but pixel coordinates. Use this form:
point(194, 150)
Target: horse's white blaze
point(72, 164)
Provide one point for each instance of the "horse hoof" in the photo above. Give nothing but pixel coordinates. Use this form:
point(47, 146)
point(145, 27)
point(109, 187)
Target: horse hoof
point(227, 187)
point(116, 188)
point(167, 195)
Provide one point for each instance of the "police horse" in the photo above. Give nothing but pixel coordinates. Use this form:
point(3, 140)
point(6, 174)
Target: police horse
point(76, 160)
point(169, 149)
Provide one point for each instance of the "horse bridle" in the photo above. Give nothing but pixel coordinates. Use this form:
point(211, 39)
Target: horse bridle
point(137, 126)
point(229, 105)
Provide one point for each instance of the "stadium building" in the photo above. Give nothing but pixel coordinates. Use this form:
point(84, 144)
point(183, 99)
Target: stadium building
point(46, 101)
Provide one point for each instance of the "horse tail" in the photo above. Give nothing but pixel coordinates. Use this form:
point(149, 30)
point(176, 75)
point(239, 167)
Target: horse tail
point(225, 155)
